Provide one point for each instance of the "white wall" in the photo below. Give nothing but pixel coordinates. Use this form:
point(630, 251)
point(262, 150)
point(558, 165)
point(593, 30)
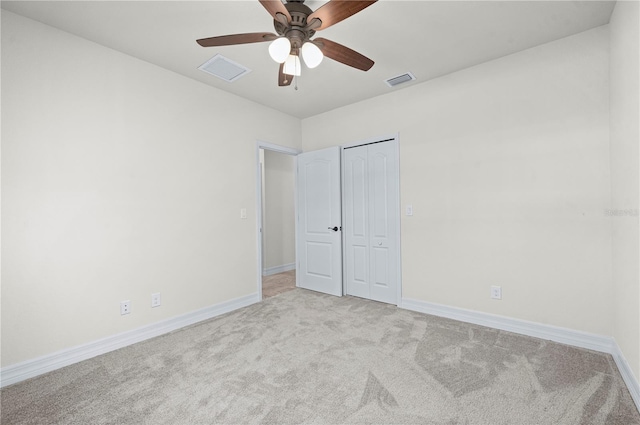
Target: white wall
point(625, 134)
point(507, 167)
point(119, 179)
point(279, 214)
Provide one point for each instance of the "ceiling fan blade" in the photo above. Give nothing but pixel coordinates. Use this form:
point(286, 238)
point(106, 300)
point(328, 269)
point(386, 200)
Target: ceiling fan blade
point(228, 40)
point(284, 79)
point(343, 54)
point(275, 8)
point(337, 10)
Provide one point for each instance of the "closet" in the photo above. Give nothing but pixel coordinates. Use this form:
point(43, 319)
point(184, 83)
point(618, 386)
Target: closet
point(371, 209)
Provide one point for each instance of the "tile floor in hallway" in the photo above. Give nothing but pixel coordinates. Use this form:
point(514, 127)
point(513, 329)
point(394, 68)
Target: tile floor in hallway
point(278, 283)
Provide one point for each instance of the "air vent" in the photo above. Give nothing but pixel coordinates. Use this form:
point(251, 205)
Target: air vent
point(403, 78)
point(224, 68)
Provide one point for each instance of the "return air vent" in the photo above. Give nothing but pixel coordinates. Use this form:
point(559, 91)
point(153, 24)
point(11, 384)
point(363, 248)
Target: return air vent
point(224, 68)
point(399, 79)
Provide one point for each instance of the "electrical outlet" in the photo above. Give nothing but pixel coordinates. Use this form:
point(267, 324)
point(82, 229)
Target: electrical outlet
point(409, 210)
point(155, 300)
point(243, 213)
point(496, 292)
point(125, 307)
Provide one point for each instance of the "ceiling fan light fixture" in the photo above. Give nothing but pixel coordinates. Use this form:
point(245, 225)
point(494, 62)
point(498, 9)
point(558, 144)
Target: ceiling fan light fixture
point(295, 24)
point(279, 49)
point(311, 54)
point(292, 66)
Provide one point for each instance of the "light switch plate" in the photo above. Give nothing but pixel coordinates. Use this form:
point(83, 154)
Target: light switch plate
point(409, 210)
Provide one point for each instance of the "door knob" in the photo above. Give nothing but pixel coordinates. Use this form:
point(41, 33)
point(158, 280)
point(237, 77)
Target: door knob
point(334, 228)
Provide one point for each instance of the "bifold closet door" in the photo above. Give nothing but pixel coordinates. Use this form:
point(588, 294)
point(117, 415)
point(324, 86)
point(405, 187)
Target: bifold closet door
point(371, 221)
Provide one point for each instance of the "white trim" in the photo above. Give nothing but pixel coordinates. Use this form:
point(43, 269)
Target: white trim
point(259, 239)
point(278, 269)
point(399, 224)
point(31, 368)
point(281, 149)
point(538, 330)
point(572, 337)
point(627, 374)
point(277, 148)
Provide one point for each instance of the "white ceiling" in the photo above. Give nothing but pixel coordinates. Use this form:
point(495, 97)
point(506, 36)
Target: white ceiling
point(426, 38)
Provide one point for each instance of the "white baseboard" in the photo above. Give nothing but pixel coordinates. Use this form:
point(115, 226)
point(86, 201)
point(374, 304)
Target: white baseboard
point(278, 269)
point(572, 337)
point(627, 374)
point(563, 335)
point(31, 368)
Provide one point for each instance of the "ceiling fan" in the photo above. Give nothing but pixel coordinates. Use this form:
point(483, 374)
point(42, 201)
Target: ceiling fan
point(295, 24)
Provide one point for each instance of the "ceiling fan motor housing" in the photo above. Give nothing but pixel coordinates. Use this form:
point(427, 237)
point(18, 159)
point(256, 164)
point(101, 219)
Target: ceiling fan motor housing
point(297, 31)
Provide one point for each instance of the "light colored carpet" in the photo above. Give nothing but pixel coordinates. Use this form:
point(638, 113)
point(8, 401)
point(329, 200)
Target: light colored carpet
point(278, 283)
point(303, 357)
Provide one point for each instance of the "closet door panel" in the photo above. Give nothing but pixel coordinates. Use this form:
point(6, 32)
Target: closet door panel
point(378, 163)
point(356, 229)
point(382, 206)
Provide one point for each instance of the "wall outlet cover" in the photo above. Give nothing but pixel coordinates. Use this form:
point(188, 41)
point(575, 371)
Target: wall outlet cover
point(125, 307)
point(496, 292)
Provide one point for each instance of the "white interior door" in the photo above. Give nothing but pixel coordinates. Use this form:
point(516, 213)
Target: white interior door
point(319, 247)
point(371, 221)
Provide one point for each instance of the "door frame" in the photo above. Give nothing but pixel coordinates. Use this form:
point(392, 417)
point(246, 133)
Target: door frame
point(283, 150)
point(396, 138)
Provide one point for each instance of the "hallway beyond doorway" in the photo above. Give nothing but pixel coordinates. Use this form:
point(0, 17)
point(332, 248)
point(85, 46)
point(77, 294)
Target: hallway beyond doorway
point(278, 283)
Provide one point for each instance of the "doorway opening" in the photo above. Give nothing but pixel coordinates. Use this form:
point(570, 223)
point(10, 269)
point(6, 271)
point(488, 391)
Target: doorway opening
point(275, 218)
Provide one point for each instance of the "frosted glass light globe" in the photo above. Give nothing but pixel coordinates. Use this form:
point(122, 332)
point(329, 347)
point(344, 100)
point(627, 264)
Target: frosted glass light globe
point(292, 66)
point(311, 54)
point(279, 49)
